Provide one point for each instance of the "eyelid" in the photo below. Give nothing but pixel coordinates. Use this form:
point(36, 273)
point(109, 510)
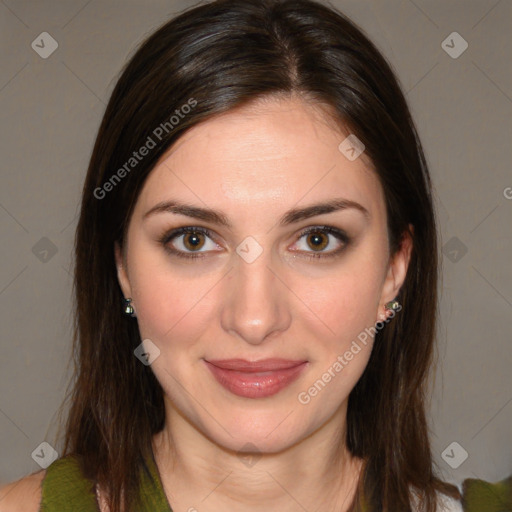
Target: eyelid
point(326, 229)
point(169, 236)
point(176, 232)
point(339, 234)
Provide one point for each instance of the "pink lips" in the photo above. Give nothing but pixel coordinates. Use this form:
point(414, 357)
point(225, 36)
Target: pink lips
point(255, 379)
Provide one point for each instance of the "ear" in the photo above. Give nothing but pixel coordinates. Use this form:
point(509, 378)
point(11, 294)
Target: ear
point(397, 272)
point(122, 275)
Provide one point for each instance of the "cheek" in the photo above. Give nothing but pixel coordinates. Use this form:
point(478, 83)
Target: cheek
point(170, 307)
point(343, 303)
point(342, 337)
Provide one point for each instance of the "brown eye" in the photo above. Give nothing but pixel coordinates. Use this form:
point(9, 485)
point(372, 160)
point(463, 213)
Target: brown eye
point(312, 242)
point(317, 240)
point(193, 241)
point(189, 242)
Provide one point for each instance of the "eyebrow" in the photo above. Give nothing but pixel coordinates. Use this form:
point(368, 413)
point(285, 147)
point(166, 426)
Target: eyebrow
point(290, 217)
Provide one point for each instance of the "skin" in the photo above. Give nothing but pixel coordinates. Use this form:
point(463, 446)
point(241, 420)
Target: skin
point(260, 161)
point(23, 495)
point(254, 164)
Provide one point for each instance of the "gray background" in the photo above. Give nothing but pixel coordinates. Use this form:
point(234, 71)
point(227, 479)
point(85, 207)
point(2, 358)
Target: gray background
point(51, 109)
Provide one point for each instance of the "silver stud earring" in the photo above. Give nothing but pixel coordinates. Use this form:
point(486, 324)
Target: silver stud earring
point(128, 308)
point(392, 305)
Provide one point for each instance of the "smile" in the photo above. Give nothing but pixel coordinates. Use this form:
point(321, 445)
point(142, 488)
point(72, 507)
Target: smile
point(257, 379)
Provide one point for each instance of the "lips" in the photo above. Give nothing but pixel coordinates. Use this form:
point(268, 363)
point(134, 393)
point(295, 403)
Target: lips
point(255, 379)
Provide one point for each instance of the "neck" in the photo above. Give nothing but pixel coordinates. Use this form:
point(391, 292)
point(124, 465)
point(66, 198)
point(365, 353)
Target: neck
point(199, 474)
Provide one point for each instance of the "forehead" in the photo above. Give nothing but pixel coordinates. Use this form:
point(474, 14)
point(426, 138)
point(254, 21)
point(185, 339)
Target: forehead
point(269, 154)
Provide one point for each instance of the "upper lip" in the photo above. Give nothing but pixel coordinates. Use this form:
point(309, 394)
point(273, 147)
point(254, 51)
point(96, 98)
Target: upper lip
point(263, 365)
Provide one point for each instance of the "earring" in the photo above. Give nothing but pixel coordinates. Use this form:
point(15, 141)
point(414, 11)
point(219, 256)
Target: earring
point(128, 308)
point(392, 305)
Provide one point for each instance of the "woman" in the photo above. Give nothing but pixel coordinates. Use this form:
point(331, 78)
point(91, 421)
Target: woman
point(256, 276)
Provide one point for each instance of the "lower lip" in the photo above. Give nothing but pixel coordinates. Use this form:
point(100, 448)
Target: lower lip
point(258, 384)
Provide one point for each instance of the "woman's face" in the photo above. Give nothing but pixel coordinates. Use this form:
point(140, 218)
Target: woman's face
point(254, 287)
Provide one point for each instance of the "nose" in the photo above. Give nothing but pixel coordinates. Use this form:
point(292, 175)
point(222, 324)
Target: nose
point(257, 301)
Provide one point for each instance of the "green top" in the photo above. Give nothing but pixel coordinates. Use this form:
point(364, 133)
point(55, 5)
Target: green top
point(481, 496)
point(64, 488)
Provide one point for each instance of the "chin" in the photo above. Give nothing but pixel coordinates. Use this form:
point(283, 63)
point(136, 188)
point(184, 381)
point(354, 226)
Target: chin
point(254, 443)
point(266, 433)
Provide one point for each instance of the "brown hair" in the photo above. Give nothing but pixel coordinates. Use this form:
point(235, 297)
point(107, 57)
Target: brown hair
point(216, 57)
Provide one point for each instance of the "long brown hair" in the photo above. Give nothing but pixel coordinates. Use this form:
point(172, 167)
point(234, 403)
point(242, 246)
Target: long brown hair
point(214, 58)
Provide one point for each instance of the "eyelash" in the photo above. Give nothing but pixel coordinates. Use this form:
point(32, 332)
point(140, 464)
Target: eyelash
point(340, 235)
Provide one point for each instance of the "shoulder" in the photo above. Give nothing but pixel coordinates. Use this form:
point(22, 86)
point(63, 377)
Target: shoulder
point(477, 496)
point(481, 495)
point(62, 486)
point(23, 495)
